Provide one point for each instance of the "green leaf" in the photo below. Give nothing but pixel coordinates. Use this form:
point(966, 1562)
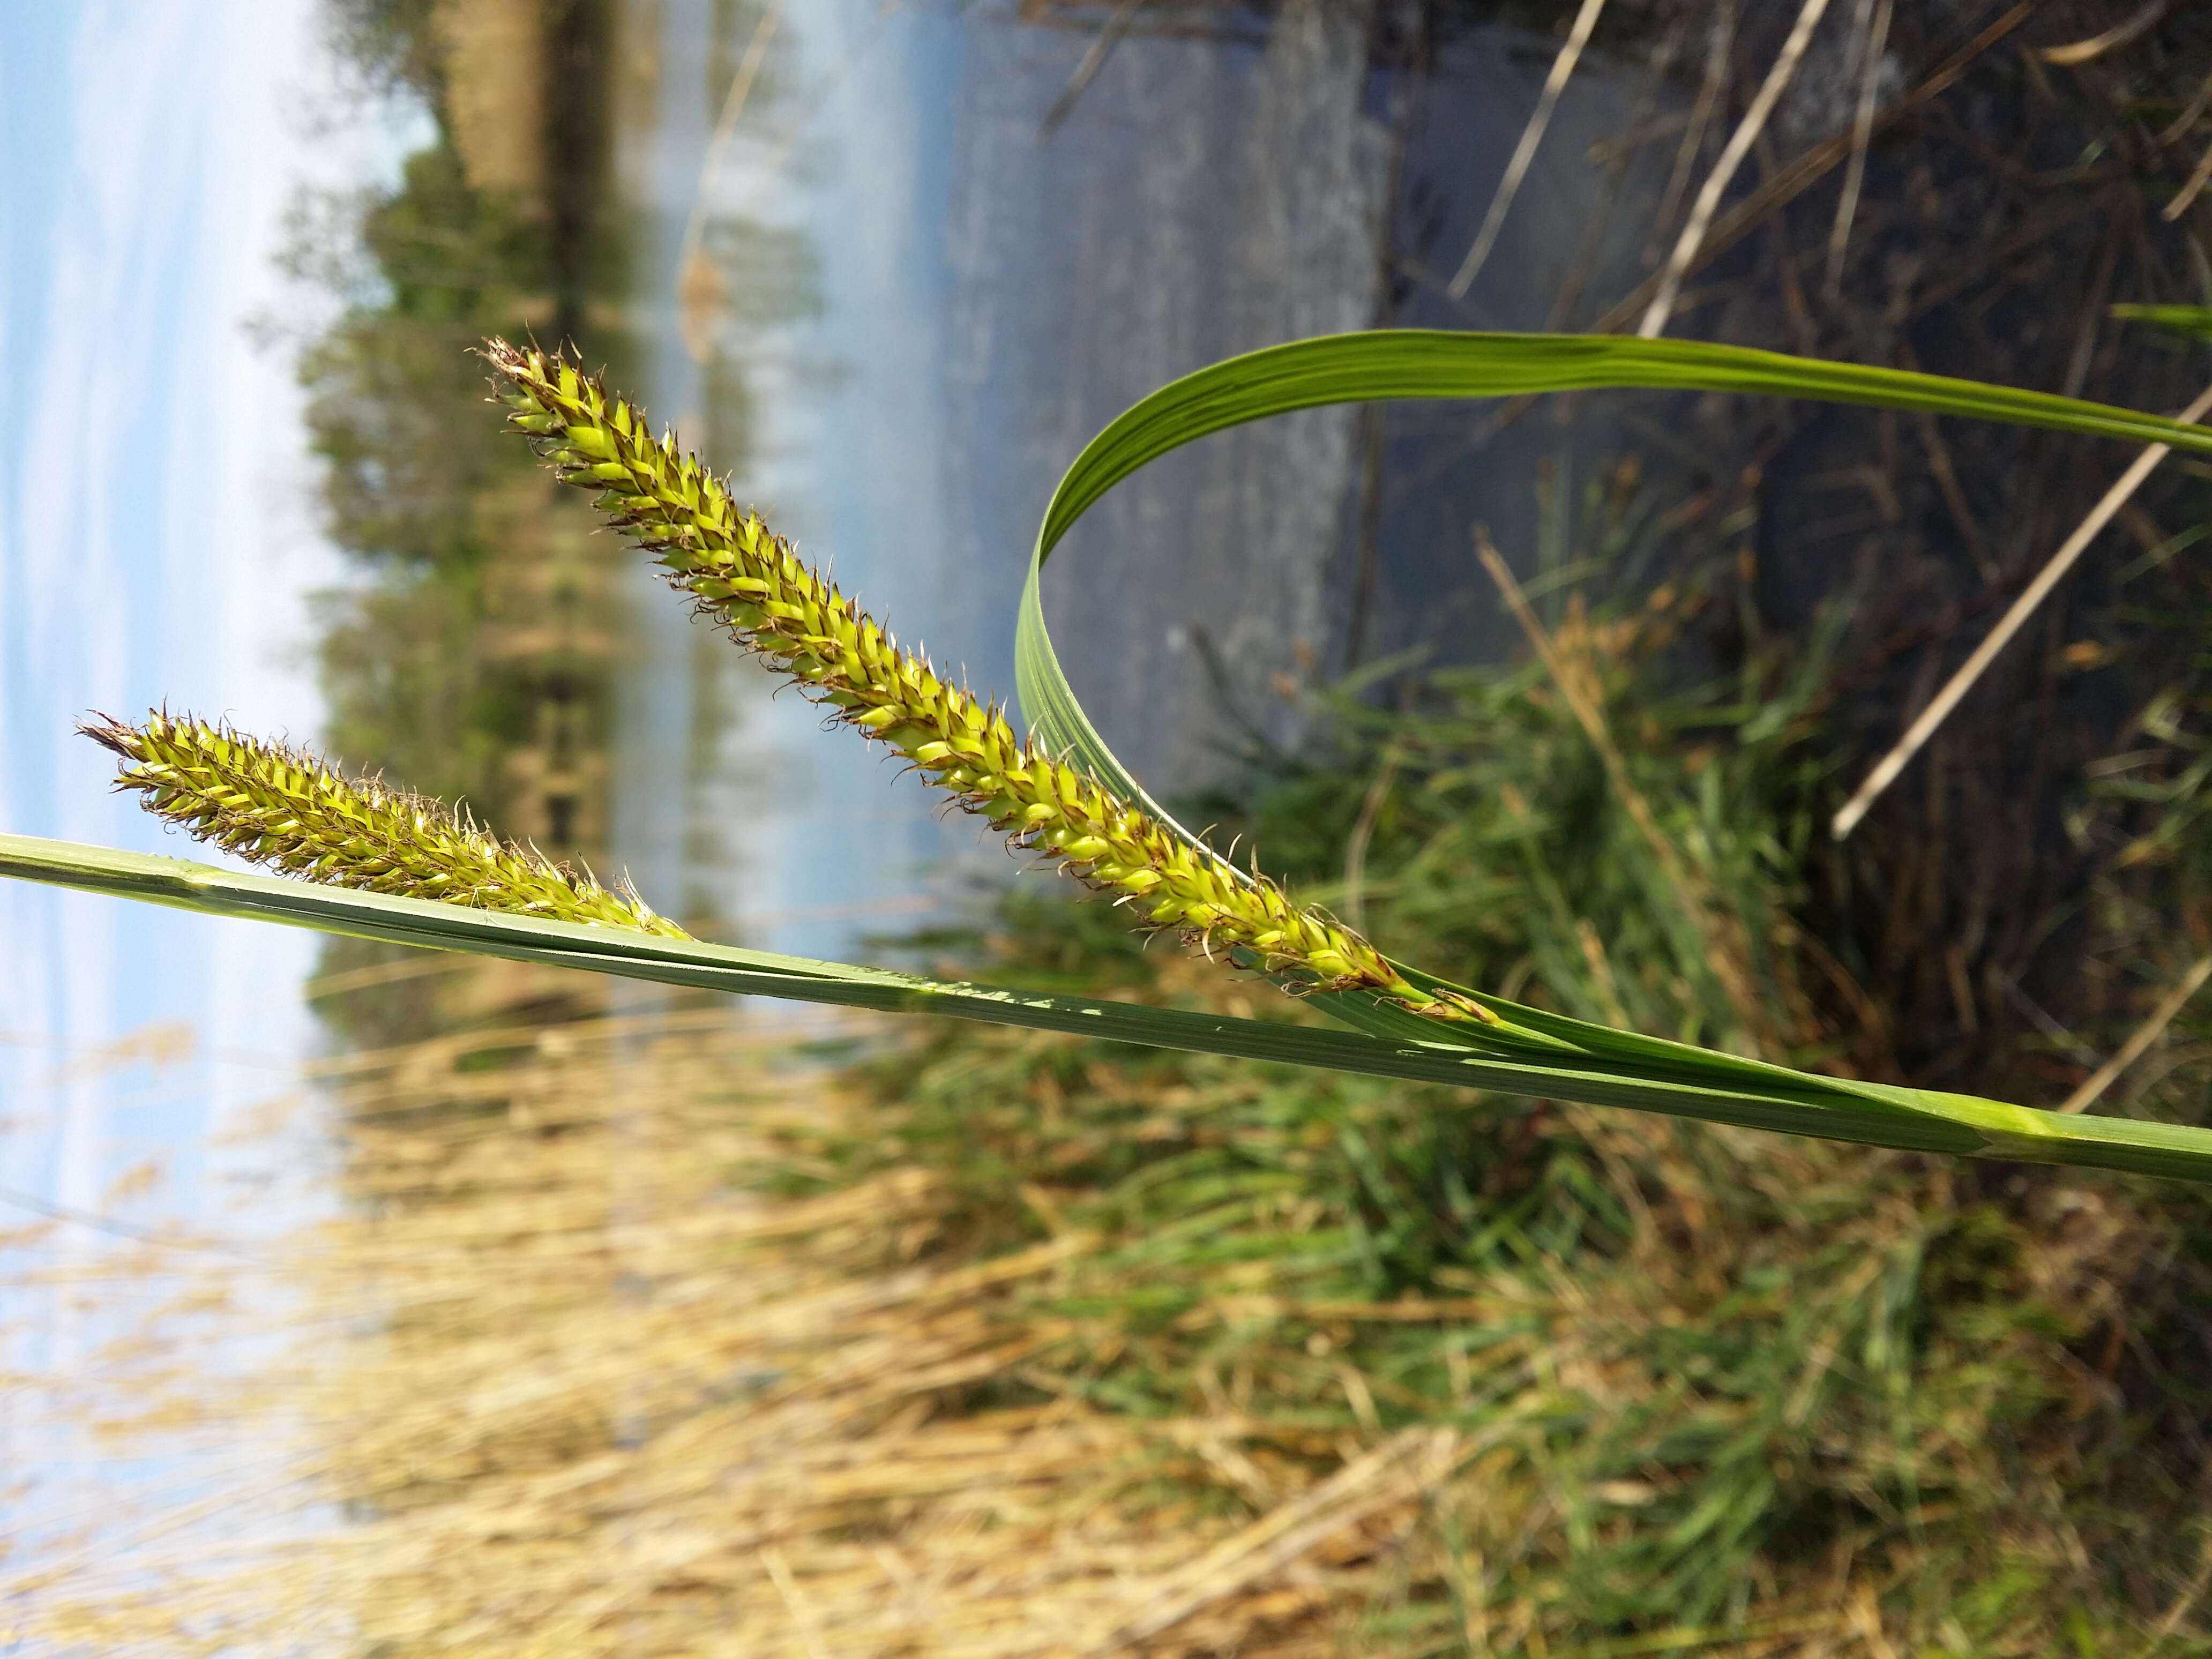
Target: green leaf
point(1624, 1071)
point(1393, 364)
point(2194, 321)
point(1384, 364)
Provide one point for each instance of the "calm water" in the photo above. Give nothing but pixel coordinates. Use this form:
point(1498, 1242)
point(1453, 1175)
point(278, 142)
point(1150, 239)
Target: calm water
point(990, 294)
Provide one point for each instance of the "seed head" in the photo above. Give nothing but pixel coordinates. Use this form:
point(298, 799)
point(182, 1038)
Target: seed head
point(281, 807)
point(750, 581)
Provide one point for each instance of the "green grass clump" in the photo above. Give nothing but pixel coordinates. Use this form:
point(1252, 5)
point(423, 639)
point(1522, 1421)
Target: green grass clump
point(1708, 1386)
point(1497, 847)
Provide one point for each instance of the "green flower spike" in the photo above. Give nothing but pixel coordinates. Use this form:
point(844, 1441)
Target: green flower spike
point(288, 810)
point(749, 580)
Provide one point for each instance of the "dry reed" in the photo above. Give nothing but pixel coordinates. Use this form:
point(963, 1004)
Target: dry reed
point(599, 1398)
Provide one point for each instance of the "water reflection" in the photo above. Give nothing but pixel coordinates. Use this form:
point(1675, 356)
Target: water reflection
point(1017, 234)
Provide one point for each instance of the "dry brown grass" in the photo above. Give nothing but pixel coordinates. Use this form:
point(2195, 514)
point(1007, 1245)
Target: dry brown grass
point(577, 1391)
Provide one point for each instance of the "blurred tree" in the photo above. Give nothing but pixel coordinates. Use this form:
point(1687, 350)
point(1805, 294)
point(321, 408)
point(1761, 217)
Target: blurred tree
point(392, 43)
point(468, 657)
point(396, 405)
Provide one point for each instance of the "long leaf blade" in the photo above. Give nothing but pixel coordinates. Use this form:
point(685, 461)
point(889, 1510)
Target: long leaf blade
point(1726, 1090)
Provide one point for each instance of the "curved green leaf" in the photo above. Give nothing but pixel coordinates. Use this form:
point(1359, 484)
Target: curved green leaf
point(1396, 364)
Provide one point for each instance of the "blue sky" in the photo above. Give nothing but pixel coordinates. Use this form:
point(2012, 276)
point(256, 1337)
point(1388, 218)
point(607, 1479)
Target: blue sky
point(158, 540)
point(158, 536)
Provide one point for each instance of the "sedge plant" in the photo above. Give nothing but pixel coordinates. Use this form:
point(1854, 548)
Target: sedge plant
point(288, 810)
point(361, 859)
point(750, 581)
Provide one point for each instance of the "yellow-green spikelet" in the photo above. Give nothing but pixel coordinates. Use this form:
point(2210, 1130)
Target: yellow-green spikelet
point(282, 808)
point(749, 579)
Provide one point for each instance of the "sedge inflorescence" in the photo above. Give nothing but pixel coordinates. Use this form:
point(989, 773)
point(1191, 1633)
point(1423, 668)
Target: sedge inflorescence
point(291, 811)
point(748, 579)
